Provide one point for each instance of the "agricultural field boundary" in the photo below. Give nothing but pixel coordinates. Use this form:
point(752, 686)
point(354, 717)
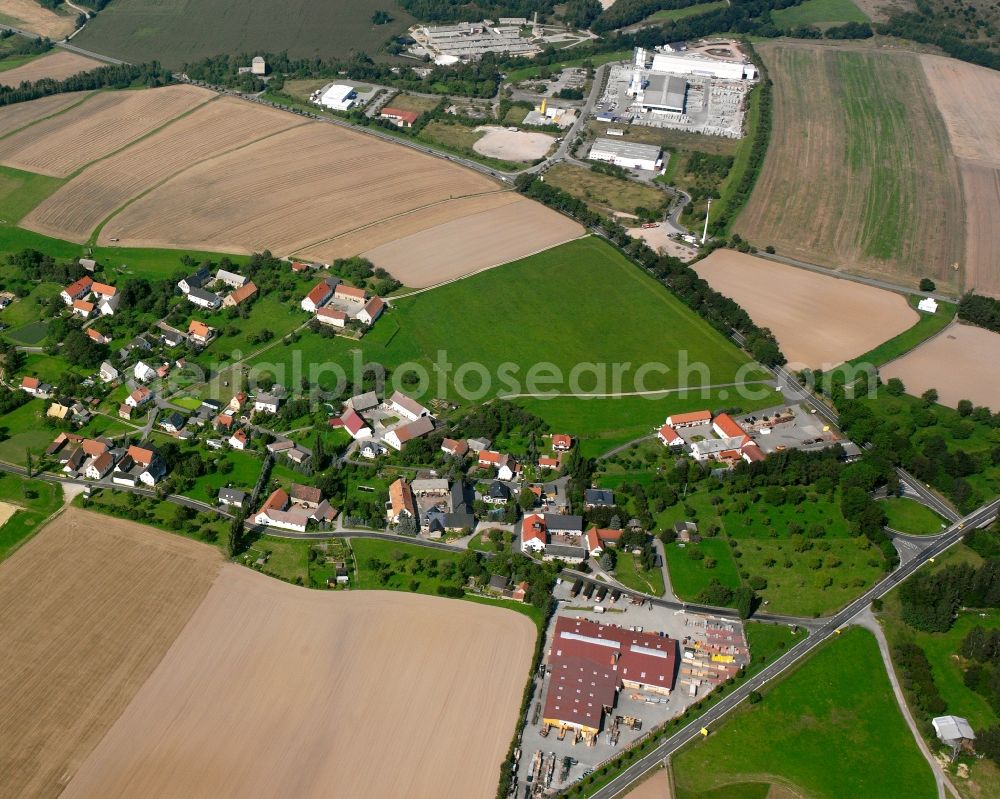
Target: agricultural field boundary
point(70, 107)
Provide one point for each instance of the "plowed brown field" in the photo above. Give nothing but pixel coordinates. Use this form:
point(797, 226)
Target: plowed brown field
point(97, 127)
point(859, 173)
point(58, 65)
point(290, 191)
point(77, 208)
point(959, 363)
point(969, 99)
point(88, 608)
point(14, 117)
point(463, 246)
point(275, 690)
point(819, 321)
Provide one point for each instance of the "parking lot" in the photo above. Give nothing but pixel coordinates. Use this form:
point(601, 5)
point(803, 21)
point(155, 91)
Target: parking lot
point(649, 710)
point(789, 427)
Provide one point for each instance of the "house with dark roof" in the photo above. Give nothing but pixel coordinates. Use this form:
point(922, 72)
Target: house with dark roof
point(598, 498)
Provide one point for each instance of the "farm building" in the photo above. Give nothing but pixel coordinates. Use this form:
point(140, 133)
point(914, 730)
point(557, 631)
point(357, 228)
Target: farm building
point(689, 419)
point(338, 97)
point(927, 305)
point(317, 297)
point(331, 316)
point(399, 117)
point(244, 292)
point(629, 155)
point(401, 502)
point(203, 298)
point(406, 407)
point(589, 663)
point(399, 436)
point(954, 731)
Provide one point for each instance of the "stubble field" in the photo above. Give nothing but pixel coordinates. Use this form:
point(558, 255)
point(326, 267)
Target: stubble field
point(864, 127)
point(220, 125)
point(819, 321)
point(31, 16)
point(87, 610)
point(14, 117)
point(969, 98)
point(275, 690)
point(58, 65)
point(959, 363)
point(106, 121)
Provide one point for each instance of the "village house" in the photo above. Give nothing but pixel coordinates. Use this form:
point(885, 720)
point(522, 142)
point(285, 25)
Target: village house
point(199, 332)
point(331, 316)
point(171, 337)
point(204, 299)
point(195, 281)
point(397, 437)
point(508, 469)
point(562, 443)
point(58, 411)
point(232, 498)
point(35, 387)
point(266, 403)
point(106, 306)
point(77, 290)
point(317, 297)
point(234, 298)
point(223, 423)
point(478, 445)
point(372, 449)
point(143, 373)
point(173, 422)
point(598, 498)
point(97, 336)
point(497, 494)
point(238, 440)
point(108, 373)
point(399, 117)
point(294, 511)
point(669, 438)
point(139, 465)
point(600, 539)
point(401, 502)
point(489, 459)
point(456, 449)
point(534, 535)
point(548, 462)
point(372, 311)
point(363, 402)
point(231, 279)
point(83, 308)
point(689, 419)
point(98, 466)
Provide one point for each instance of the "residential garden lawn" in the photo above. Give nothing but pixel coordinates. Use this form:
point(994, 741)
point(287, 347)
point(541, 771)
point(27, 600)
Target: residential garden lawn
point(590, 278)
point(689, 577)
point(669, 15)
point(482, 543)
point(37, 500)
point(28, 310)
point(106, 426)
point(818, 12)
point(287, 559)
point(909, 516)
point(409, 565)
point(23, 429)
point(630, 573)
point(604, 192)
point(47, 367)
point(205, 527)
point(243, 471)
point(188, 403)
point(926, 326)
point(31, 334)
point(830, 729)
point(267, 313)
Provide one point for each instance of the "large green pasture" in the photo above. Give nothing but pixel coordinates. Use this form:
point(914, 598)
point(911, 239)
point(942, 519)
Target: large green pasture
point(818, 12)
point(22, 429)
point(674, 14)
point(536, 321)
point(829, 730)
point(176, 32)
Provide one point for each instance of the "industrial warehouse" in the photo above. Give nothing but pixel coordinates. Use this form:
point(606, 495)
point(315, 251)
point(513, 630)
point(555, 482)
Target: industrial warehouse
point(629, 155)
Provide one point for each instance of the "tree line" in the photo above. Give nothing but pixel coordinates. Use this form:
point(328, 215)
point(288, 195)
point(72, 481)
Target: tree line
point(112, 76)
point(981, 311)
point(931, 600)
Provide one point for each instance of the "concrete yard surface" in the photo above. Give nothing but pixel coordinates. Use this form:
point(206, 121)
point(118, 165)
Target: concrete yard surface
point(276, 690)
point(819, 321)
point(959, 363)
point(512, 145)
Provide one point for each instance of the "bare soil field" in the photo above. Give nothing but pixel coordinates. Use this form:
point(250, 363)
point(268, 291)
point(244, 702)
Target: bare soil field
point(275, 690)
point(659, 240)
point(656, 787)
point(387, 230)
point(88, 608)
point(959, 363)
point(14, 117)
point(6, 511)
point(968, 97)
point(76, 209)
point(511, 145)
point(819, 321)
point(97, 127)
point(290, 191)
point(58, 65)
point(29, 15)
point(862, 124)
point(464, 246)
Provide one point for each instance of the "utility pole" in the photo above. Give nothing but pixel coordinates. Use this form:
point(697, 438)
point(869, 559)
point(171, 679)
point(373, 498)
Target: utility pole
point(708, 211)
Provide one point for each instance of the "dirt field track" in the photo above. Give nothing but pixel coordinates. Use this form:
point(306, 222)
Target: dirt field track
point(954, 364)
point(58, 65)
point(29, 15)
point(15, 117)
point(656, 787)
point(863, 125)
point(275, 690)
point(969, 98)
point(819, 321)
point(77, 208)
point(102, 124)
point(88, 608)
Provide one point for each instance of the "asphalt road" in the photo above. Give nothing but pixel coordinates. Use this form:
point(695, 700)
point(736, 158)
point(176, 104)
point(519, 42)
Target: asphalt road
point(795, 654)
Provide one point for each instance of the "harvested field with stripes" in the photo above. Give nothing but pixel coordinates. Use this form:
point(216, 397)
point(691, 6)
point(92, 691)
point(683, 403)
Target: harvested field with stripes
point(969, 99)
point(31, 16)
point(58, 65)
point(99, 126)
point(14, 117)
point(111, 596)
point(219, 126)
point(863, 125)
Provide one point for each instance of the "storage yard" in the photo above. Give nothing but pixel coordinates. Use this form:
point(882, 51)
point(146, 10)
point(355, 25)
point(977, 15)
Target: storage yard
point(111, 596)
point(819, 321)
point(512, 145)
point(664, 661)
point(892, 201)
point(958, 362)
point(99, 126)
point(422, 689)
point(57, 65)
point(968, 98)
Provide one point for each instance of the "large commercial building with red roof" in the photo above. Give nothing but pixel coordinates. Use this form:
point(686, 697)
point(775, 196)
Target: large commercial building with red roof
point(590, 663)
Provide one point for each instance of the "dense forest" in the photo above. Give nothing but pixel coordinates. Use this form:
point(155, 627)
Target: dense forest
point(982, 311)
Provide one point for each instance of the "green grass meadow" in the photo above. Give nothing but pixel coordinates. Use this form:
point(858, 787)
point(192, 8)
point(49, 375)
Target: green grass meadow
point(926, 326)
point(821, 13)
point(35, 500)
point(831, 729)
point(909, 516)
